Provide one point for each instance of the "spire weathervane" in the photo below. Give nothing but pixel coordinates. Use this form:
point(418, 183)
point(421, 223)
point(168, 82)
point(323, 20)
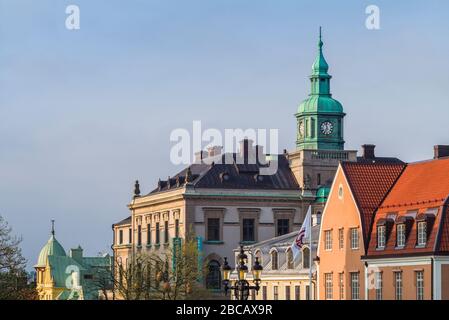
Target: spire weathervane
point(52, 227)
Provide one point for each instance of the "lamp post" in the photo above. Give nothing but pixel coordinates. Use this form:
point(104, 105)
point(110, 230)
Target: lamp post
point(241, 287)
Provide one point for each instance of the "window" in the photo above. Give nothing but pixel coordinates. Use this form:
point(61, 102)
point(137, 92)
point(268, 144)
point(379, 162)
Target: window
point(177, 228)
point(381, 237)
point(355, 286)
point(148, 234)
point(378, 279)
point(120, 236)
point(305, 258)
point(419, 285)
point(139, 235)
point(166, 231)
point(328, 286)
point(341, 238)
point(307, 292)
point(400, 235)
point(354, 238)
point(213, 229)
point(213, 277)
point(422, 233)
point(318, 178)
point(297, 292)
point(130, 235)
point(340, 192)
point(264, 293)
point(158, 234)
point(248, 230)
point(290, 261)
point(253, 294)
point(283, 226)
point(275, 293)
point(341, 284)
point(398, 285)
point(328, 240)
point(287, 292)
point(274, 260)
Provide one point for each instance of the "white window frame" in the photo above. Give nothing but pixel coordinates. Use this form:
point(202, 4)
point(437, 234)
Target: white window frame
point(341, 282)
point(328, 286)
point(400, 235)
point(422, 233)
point(379, 286)
point(419, 285)
point(355, 286)
point(381, 236)
point(328, 240)
point(341, 238)
point(355, 238)
point(398, 285)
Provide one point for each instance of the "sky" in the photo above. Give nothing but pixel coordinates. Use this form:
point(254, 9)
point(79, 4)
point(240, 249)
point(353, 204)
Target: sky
point(84, 113)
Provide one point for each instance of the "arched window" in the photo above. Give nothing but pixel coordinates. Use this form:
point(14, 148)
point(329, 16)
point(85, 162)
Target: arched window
point(290, 262)
point(258, 254)
point(274, 260)
point(306, 258)
point(213, 278)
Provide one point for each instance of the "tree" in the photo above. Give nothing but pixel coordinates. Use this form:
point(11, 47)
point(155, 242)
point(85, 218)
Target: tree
point(173, 274)
point(14, 282)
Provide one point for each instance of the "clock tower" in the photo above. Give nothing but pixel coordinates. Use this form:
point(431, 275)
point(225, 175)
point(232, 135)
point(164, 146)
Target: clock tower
point(320, 117)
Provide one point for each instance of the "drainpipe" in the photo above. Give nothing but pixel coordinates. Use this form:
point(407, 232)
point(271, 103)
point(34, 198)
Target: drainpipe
point(366, 280)
point(432, 278)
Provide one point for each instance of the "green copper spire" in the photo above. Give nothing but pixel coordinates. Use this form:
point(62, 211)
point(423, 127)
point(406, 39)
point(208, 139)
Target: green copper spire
point(320, 117)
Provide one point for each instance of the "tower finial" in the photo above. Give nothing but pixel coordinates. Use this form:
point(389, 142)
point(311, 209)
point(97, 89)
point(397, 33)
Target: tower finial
point(52, 227)
point(320, 42)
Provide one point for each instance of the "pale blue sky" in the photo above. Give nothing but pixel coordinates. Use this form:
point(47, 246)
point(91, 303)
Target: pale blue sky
point(84, 113)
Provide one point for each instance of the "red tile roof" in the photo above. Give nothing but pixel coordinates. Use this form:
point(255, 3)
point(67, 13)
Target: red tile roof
point(369, 183)
point(422, 186)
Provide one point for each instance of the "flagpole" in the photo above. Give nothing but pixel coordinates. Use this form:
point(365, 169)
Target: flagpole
point(310, 255)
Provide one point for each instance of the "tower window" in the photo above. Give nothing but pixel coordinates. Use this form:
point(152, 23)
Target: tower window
point(318, 178)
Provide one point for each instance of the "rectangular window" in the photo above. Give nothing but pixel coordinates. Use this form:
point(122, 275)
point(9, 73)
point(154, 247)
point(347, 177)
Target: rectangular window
point(213, 229)
point(297, 292)
point(307, 292)
point(328, 240)
point(378, 285)
point(398, 285)
point(264, 293)
point(381, 237)
point(248, 230)
point(177, 228)
point(422, 233)
point(130, 235)
point(328, 285)
point(419, 285)
point(341, 238)
point(166, 236)
point(148, 234)
point(287, 292)
point(120, 236)
point(139, 235)
point(341, 283)
point(275, 293)
point(318, 179)
point(158, 234)
point(355, 286)
point(253, 294)
point(283, 226)
point(354, 238)
point(400, 235)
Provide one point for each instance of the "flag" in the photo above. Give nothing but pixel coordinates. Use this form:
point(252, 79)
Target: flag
point(304, 233)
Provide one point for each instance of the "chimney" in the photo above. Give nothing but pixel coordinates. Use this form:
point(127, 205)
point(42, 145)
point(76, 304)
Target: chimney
point(214, 151)
point(200, 155)
point(368, 151)
point(440, 151)
point(77, 254)
point(247, 150)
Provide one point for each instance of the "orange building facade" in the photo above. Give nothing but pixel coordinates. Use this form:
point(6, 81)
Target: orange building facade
point(398, 213)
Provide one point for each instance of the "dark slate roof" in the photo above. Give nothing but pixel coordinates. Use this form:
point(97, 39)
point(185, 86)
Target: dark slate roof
point(391, 160)
point(124, 221)
point(233, 176)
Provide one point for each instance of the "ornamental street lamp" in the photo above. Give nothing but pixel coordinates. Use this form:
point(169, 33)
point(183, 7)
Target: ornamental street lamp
point(241, 286)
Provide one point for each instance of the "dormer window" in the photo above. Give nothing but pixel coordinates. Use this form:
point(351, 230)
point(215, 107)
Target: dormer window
point(381, 236)
point(422, 233)
point(290, 261)
point(274, 260)
point(400, 235)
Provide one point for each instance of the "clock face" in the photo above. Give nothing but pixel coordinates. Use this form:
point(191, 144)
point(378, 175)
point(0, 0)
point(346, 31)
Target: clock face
point(301, 129)
point(327, 127)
